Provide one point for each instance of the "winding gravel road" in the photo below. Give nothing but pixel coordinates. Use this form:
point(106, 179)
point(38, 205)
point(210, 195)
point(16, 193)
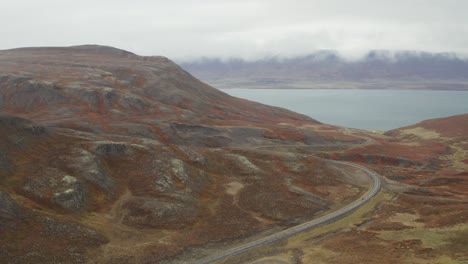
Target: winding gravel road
point(335, 215)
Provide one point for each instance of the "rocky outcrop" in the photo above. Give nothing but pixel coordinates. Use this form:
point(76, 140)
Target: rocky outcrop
point(71, 231)
point(192, 155)
point(74, 197)
point(53, 186)
point(6, 166)
point(30, 95)
point(13, 121)
point(135, 130)
point(151, 212)
point(9, 209)
point(243, 165)
point(170, 177)
point(21, 125)
point(87, 166)
point(112, 149)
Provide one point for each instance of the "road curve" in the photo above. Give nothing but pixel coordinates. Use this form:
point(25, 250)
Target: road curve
point(335, 215)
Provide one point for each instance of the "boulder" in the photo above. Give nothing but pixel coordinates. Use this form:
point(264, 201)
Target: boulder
point(74, 197)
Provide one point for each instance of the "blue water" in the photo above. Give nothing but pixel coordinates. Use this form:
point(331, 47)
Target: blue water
point(364, 109)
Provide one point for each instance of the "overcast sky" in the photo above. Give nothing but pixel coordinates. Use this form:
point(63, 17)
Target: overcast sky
point(186, 29)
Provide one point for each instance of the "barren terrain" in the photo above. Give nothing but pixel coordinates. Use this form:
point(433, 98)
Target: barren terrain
point(111, 157)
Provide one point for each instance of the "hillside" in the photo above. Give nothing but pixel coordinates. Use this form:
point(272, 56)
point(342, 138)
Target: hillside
point(326, 69)
point(419, 218)
point(101, 147)
point(111, 157)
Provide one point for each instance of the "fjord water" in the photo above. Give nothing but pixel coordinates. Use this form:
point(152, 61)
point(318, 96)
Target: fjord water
point(363, 109)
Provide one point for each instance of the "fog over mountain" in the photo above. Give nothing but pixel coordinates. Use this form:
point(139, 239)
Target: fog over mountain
point(378, 69)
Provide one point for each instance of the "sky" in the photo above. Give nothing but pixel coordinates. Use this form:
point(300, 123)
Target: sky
point(250, 29)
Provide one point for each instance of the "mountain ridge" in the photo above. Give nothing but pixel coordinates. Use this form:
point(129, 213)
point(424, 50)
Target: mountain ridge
point(375, 70)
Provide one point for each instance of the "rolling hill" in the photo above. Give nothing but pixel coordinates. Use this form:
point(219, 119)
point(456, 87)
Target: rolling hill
point(111, 157)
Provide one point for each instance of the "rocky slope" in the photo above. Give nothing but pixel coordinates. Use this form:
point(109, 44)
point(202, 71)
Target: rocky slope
point(420, 217)
point(110, 157)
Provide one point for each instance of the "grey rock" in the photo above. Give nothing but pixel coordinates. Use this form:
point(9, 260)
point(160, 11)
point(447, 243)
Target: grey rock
point(86, 165)
point(109, 148)
point(192, 155)
point(243, 132)
point(133, 129)
point(163, 183)
point(111, 97)
point(9, 209)
point(55, 186)
point(133, 102)
point(178, 169)
point(84, 95)
point(30, 95)
point(244, 165)
point(21, 125)
point(71, 231)
point(151, 212)
point(37, 130)
point(6, 167)
point(195, 129)
point(194, 135)
point(13, 121)
point(72, 199)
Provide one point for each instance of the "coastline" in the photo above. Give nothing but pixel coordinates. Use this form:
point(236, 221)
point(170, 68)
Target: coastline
point(366, 109)
point(381, 84)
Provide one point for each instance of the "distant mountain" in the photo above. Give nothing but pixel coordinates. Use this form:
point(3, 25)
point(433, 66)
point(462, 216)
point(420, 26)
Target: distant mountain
point(326, 69)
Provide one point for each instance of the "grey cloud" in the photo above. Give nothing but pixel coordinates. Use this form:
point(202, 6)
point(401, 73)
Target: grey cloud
point(250, 29)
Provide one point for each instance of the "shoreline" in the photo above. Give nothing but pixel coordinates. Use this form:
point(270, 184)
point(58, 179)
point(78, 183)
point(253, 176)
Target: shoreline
point(351, 88)
point(370, 110)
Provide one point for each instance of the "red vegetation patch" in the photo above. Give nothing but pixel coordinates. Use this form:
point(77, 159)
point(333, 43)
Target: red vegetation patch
point(423, 153)
point(451, 127)
point(335, 135)
point(284, 134)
